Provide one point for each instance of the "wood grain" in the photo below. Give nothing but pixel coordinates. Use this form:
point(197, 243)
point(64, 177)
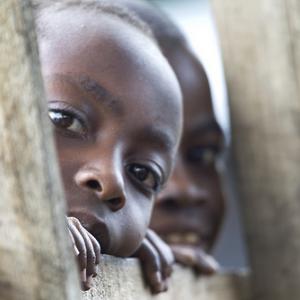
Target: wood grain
point(261, 48)
point(36, 260)
point(122, 279)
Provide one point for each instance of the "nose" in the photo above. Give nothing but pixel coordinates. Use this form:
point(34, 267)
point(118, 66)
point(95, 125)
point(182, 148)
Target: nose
point(181, 190)
point(108, 186)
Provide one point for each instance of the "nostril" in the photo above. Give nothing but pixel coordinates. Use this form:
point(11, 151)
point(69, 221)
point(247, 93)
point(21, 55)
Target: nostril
point(94, 185)
point(115, 203)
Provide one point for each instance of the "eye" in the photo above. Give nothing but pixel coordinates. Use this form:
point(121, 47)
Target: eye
point(204, 155)
point(67, 121)
point(145, 176)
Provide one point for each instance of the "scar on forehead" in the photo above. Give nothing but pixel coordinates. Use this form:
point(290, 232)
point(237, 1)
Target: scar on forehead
point(90, 86)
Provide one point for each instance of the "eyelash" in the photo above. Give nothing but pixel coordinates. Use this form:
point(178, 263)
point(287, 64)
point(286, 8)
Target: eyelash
point(199, 157)
point(158, 181)
point(74, 116)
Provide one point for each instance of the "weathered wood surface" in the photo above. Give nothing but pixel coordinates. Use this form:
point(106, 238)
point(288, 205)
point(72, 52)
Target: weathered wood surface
point(122, 279)
point(261, 48)
point(35, 260)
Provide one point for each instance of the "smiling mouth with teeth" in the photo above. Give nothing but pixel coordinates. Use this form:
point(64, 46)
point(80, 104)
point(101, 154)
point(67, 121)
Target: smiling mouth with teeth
point(184, 238)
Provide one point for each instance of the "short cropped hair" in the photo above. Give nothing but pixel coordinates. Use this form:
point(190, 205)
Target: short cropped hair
point(165, 31)
point(101, 6)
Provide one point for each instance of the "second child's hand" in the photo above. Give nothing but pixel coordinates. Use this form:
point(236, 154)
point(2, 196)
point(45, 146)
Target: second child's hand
point(157, 262)
point(195, 258)
point(87, 250)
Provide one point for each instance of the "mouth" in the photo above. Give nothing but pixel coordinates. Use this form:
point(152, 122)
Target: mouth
point(189, 238)
point(94, 225)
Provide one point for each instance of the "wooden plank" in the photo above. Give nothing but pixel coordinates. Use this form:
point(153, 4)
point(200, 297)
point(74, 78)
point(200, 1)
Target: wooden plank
point(122, 279)
point(261, 49)
point(35, 260)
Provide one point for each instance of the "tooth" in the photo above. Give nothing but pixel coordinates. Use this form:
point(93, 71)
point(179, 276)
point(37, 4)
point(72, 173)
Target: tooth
point(174, 238)
point(191, 238)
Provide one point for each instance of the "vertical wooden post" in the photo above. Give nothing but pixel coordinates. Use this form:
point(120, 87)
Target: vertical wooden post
point(35, 256)
point(260, 41)
point(261, 47)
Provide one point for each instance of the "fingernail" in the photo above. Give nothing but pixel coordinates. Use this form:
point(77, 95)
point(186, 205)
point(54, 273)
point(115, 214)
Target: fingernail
point(89, 281)
point(76, 250)
point(84, 287)
point(212, 264)
point(83, 275)
point(158, 277)
point(158, 281)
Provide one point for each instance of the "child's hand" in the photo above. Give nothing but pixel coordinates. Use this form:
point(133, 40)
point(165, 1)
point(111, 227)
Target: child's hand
point(87, 250)
point(157, 261)
point(195, 258)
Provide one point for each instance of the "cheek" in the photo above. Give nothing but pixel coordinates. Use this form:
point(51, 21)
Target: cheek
point(68, 166)
point(131, 224)
point(207, 179)
point(161, 220)
point(210, 181)
point(74, 196)
point(69, 158)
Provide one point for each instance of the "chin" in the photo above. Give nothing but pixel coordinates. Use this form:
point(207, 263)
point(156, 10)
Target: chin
point(123, 247)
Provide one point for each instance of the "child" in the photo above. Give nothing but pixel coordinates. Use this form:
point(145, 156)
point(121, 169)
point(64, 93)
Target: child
point(115, 104)
point(188, 214)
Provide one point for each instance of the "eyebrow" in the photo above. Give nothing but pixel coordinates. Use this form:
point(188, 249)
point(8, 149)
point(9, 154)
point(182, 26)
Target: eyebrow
point(93, 88)
point(207, 125)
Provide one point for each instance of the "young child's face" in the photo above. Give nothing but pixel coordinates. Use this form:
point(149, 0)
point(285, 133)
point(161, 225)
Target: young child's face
point(115, 104)
point(191, 208)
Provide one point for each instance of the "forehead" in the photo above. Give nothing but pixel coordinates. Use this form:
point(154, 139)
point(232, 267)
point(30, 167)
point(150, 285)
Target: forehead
point(117, 56)
point(193, 81)
point(197, 101)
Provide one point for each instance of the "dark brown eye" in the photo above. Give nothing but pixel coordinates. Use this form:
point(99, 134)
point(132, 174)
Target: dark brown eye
point(145, 176)
point(205, 156)
point(66, 121)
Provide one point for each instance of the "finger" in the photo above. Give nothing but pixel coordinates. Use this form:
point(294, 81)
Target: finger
point(184, 255)
point(86, 285)
point(90, 253)
point(206, 264)
point(195, 258)
point(150, 261)
point(166, 255)
point(73, 243)
point(97, 248)
point(79, 243)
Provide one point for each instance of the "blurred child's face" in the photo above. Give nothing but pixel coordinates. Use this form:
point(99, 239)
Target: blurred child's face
point(191, 208)
point(115, 104)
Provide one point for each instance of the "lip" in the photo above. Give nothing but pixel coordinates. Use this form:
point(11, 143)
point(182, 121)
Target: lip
point(94, 225)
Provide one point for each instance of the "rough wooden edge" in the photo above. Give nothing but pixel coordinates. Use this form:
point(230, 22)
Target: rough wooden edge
point(35, 260)
point(122, 279)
